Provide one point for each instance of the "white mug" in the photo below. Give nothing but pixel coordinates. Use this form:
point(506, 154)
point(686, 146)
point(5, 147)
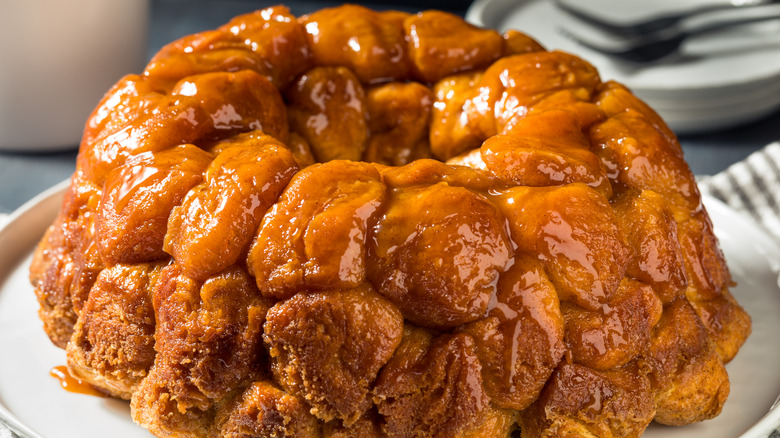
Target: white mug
point(57, 59)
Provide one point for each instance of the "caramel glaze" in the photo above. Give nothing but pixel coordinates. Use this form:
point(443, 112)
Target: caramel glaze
point(520, 244)
point(73, 384)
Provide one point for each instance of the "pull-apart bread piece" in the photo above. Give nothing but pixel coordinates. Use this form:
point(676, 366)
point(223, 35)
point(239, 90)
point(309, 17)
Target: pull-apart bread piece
point(359, 223)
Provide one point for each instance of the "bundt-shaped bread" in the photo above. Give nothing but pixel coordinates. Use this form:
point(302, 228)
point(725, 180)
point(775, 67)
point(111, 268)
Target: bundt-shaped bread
point(359, 223)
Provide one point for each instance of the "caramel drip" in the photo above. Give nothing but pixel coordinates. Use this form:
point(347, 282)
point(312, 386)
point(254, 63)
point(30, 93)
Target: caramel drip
point(73, 384)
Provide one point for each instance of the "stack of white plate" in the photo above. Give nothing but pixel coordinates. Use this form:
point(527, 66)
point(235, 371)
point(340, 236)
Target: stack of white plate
point(717, 81)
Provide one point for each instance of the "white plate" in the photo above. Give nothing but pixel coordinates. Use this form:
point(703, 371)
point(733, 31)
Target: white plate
point(738, 64)
point(37, 407)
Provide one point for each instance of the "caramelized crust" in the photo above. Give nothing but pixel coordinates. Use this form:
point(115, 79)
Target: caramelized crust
point(138, 199)
point(399, 115)
point(503, 99)
point(516, 43)
point(268, 41)
point(66, 261)
point(573, 230)
point(51, 273)
point(615, 334)
point(441, 44)
point(451, 131)
point(315, 235)
point(370, 44)
point(366, 426)
point(579, 401)
point(688, 378)
point(651, 230)
point(265, 410)
point(522, 246)
point(437, 253)
point(113, 343)
point(545, 149)
point(431, 387)
point(327, 106)
point(328, 347)
point(518, 348)
point(213, 226)
point(208, 344)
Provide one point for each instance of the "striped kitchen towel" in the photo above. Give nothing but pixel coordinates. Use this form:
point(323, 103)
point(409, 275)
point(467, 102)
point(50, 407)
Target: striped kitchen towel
point(751, 186)
point(5, 432)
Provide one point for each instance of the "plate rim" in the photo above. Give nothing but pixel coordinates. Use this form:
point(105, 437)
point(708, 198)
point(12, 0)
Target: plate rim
point(37, 211)
point(46, 204)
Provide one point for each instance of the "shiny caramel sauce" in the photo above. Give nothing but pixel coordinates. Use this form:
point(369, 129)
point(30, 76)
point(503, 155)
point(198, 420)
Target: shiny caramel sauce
point(553, 246)
point(73, 384)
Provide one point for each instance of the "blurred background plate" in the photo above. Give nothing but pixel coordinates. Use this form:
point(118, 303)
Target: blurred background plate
point(718, 81)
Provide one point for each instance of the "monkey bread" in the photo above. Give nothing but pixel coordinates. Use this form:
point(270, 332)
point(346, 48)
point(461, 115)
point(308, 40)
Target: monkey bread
point(358, 223)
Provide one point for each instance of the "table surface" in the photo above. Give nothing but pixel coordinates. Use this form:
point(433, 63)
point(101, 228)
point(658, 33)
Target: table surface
point(23, 175)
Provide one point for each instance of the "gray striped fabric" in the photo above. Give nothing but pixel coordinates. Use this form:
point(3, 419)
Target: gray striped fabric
point(751, 186)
